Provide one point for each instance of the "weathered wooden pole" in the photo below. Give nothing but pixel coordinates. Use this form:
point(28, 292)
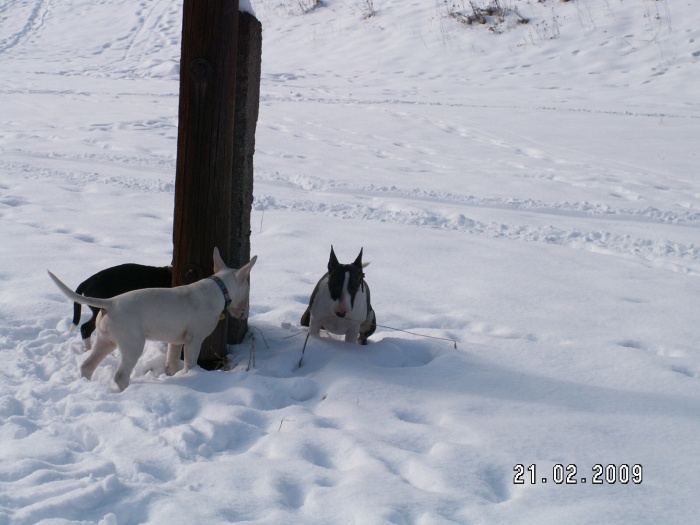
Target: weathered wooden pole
point(205, 183)
point(248, 71)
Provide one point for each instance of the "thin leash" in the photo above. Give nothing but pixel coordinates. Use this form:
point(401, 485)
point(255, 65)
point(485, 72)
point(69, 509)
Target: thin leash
point(303, 349)
point(251, 332)
point(453, 341)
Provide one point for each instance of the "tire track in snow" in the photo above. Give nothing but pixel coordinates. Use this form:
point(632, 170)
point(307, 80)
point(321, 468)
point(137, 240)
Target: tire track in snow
point(675, 256)
point(156, 23)
point(578, 208)
point(34, 21)
point(353, 101)
point(141, 167)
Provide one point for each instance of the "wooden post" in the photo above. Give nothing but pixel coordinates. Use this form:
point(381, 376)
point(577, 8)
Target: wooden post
point(205, 149)
point(246, 117)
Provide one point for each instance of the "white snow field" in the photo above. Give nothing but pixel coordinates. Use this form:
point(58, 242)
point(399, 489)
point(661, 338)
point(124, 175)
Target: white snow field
point(529, 191)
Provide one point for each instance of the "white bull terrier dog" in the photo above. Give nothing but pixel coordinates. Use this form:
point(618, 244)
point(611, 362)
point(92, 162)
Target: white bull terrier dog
point(340, 303)
point(114, 281)
point(184, 315)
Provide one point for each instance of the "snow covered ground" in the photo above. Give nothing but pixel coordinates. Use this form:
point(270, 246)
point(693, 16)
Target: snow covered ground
point(530, 191)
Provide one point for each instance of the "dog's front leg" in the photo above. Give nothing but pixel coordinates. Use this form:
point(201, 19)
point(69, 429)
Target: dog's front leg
point(352, 334)
point(172, 359)
point(192, 350)
point(314, 326)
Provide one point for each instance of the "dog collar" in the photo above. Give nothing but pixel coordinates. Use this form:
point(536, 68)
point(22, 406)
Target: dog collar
point(224, 290)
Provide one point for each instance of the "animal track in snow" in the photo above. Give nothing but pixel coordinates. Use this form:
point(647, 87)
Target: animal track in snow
point(683, 370)
point(399, 353)
point(630, 343)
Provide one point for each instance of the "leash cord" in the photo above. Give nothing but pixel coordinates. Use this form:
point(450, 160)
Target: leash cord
point(303, 349)
point(453, 341)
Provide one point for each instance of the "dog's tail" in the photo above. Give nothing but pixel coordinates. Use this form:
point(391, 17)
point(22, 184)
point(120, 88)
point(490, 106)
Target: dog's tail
point(77, 298)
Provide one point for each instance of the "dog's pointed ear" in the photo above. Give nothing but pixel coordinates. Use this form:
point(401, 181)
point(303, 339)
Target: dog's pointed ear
point(219, 263)
point(333, 261)
point(243, 273)
point(358, 261)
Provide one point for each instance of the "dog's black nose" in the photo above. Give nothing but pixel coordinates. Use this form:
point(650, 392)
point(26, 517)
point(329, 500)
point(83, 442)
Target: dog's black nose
point(340, 314)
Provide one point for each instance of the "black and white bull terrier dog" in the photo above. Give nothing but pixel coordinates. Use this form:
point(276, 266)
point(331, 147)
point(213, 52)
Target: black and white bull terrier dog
point(340, 303)
point(114, 281)
point(180, 316)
